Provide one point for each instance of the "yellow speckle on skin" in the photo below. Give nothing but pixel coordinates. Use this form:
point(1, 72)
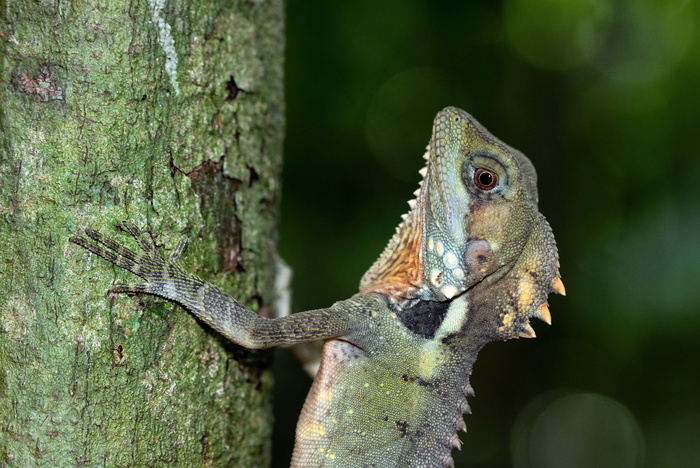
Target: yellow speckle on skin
point(507, 319)
point(351, 411)
point(428, 359)
point(330, 455)
point(319, 429)
point(527, 292)
point(366, 385)
point(326, 396)
point(393, 316)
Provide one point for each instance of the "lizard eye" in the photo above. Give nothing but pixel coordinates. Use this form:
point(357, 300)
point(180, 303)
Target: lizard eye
point(485, 179)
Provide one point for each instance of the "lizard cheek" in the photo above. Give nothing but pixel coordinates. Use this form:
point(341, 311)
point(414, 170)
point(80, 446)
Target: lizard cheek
point(479, 258)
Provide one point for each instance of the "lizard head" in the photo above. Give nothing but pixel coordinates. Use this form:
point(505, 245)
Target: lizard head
point(474, 228)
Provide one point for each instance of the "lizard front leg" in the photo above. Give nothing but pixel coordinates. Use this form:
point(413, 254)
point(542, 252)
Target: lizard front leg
point(166, 278)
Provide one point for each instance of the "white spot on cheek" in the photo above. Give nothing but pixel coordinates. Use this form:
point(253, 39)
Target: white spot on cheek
point(439, 248)
point(431, 244)
point(450, 260)
point(436, 277)
point(166, 41)
point(458, 273)
point(449, 291)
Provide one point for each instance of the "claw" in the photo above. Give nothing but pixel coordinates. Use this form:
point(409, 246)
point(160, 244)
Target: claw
point(543, 314)
point(526, 331)
point(558, 286)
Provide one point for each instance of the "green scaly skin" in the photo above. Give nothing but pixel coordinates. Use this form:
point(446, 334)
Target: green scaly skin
point(471, 263)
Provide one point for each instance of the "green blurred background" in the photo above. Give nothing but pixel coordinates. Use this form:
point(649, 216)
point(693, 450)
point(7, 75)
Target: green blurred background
point(604, 97)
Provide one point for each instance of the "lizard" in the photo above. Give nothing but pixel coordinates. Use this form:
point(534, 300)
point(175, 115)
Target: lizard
point(471, 262)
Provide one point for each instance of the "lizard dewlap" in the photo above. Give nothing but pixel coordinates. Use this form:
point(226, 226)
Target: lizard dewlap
point(472, 262)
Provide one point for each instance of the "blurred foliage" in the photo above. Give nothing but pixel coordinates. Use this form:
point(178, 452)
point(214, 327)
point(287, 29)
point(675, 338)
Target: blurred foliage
point(604, 97)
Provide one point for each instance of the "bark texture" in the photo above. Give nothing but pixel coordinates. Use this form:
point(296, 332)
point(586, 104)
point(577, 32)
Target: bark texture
point(168, 114)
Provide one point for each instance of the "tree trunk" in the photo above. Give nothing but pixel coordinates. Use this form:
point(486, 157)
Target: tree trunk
point(169, 115)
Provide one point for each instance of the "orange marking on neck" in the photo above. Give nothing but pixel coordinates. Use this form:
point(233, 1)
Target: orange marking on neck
point(401, 272)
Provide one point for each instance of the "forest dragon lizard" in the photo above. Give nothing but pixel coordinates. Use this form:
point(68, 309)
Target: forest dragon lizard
point(472, 262)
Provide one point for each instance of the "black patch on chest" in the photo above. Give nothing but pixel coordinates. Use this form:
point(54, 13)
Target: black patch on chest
point(423, 317)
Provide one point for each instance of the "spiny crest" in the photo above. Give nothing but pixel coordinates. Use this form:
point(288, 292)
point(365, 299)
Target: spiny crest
point(398, 271)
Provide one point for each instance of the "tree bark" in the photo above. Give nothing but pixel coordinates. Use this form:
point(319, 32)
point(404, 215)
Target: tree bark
point(169, 115)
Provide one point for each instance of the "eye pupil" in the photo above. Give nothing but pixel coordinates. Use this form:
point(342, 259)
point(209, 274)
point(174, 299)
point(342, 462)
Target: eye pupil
point(484, 179)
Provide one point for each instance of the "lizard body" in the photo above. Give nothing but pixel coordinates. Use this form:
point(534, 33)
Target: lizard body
point(471, 263)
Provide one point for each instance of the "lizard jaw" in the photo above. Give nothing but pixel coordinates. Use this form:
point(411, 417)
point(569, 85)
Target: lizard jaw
point(525, 288)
